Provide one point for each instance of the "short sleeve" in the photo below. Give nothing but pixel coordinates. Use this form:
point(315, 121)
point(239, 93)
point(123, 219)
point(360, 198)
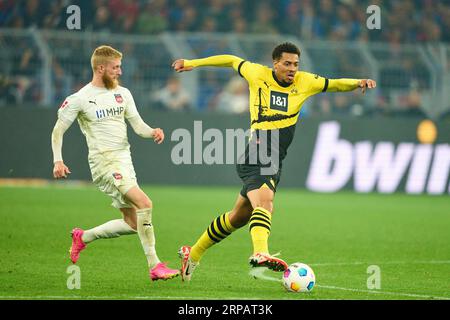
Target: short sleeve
point(69, 109)
point(313, 83)
point(131, 110)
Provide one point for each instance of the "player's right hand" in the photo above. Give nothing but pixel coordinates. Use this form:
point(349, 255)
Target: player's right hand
point(367, 83)
point(60, 170)
point(178, 66)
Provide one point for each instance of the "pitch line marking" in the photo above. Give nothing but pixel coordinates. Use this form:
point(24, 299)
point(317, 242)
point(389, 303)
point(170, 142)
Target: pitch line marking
point(68, 297)
point(258, 273)
point(379, 263)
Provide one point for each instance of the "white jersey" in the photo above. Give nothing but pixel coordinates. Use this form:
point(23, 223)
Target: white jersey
point(101, 115)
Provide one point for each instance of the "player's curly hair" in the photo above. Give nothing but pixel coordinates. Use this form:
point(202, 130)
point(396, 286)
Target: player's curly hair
point(103, 54)
point(287, 47)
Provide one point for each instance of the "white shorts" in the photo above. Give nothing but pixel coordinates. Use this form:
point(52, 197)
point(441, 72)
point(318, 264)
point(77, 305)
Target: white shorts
point(113, 173)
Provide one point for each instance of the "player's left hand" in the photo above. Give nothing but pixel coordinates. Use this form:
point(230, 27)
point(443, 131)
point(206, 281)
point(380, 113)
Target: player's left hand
point(158, 135)
point(367, 83)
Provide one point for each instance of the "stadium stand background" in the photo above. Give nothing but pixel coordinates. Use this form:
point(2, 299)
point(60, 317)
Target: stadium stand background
point(42, 61)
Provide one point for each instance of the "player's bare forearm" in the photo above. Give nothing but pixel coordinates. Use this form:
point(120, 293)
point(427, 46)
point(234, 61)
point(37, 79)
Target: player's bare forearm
point(225, 60)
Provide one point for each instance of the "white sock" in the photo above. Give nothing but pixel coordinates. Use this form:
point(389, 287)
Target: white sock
point(147, 235)
point(110, 229)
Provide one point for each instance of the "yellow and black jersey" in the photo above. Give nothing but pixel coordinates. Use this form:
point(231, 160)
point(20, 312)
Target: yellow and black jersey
point(272, 104)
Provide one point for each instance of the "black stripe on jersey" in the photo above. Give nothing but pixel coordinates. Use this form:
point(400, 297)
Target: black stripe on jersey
point(275, 117)
point(239, 68)
point(325, 87)
point(280, 82)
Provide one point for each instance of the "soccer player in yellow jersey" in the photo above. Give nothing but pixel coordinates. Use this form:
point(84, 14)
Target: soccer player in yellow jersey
point(101, 108)
point(276, 97)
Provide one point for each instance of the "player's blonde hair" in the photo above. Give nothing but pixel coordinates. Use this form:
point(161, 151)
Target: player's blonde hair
point(103, 54)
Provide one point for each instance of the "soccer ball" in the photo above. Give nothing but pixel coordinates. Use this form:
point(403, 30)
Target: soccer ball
point(299, 277)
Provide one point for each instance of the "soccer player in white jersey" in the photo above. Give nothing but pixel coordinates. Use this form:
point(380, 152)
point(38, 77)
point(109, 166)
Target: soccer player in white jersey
point(101, 108)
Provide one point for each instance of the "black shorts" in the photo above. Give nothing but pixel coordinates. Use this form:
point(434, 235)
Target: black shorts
point(253, 179)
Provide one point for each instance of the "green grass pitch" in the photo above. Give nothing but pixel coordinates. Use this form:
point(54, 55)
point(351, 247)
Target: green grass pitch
point(339, 235)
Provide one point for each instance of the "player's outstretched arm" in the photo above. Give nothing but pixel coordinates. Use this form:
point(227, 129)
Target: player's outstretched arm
point(60, 170)
point(342, 85)
point(225, 60)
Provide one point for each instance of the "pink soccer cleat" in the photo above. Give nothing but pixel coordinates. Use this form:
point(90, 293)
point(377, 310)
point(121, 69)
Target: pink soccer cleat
point(162, 272)
point(77, 244)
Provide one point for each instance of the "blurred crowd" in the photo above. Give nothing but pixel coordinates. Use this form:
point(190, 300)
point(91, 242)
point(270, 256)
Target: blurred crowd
point(407, 22)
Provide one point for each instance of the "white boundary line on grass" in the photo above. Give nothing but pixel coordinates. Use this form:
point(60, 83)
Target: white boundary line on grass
point(258, 273)
point(68, 297)
point(379, 263)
